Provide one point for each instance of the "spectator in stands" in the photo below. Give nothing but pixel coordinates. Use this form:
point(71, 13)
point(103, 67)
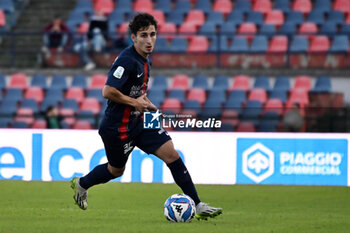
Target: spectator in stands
point(98, 31)
point(81, 46)
point(55, 36)
point(293, 120)
point(94, 41)
point(52, 118)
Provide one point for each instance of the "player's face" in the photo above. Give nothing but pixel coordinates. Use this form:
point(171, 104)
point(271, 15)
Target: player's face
point(144, 40)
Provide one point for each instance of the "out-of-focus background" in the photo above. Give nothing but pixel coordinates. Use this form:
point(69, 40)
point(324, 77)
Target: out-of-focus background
point(245, 62)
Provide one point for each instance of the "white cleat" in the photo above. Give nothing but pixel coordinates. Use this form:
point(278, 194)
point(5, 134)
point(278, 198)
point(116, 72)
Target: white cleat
point(204, 211)
point(80, 194)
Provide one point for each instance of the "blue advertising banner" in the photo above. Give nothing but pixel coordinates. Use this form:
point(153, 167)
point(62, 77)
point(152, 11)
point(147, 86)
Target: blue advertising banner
point(292, 161)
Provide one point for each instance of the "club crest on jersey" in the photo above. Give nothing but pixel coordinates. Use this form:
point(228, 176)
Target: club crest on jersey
point(118, 73)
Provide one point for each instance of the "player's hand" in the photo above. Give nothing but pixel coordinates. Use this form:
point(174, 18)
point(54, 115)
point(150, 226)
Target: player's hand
point(142, 104)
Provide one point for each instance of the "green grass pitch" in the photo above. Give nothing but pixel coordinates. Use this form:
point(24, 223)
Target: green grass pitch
point(137, 207)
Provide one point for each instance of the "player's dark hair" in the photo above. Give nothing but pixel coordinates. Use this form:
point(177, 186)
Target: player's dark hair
point(140, 21)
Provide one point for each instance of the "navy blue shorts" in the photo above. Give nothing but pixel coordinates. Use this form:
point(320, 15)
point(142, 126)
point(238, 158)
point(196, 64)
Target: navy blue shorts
point(118, 151)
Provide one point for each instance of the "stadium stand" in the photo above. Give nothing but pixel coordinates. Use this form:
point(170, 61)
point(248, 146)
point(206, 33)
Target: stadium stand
point(298, 27)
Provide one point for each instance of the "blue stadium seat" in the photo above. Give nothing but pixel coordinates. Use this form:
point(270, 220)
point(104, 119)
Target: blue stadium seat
point(345, 29)
point(322, 5)
point(237, 95)
point(300, 44)
point(282, 5)
point(259, 44)
point(213, 44)
point(269, 122)
point(59, 82)
point(126, 12)
point(336, 17)
point(54, 94)
point(279, 94)
point(47, 102)
point(163, 5)
point(2, 82)
point(156, 96)
point(19, 125)
point(323, 84)
point(176, 18)
point(177, 94)
point(216, 95)
point(182, 6)
point(39, 80)
point(115, 19)
point(234, 104)
point(71, 104)
point(204, 5)
point(255, 17)
point(295, 17)
point(7, 6)
point(316, 17)
point(208, 29)
point(239, 45)
point(95, 93)
point(220, 82)
point(268, 30)
point(160, 82)
point(5, 122)
point(178, 44)
point(262, 82)
point(200, 81)
point(30, 103)
point(329, 28)
point(162, 44)
point(252, 111)
point(84, 6)
point(14, 94)
point(87, 115)
point(228, 28)
point(8, 107)
point(215, 17)
point(79, 80)
point(340, 44)
point(282, 83)
point(212, 108)
point(236, 17)
point(222, 45)
point(124, 4)
point(288, 28)
point(243, 5)
point(193, 105)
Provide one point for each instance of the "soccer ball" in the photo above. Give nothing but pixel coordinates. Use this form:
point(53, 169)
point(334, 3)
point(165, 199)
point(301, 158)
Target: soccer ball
point(179, 208)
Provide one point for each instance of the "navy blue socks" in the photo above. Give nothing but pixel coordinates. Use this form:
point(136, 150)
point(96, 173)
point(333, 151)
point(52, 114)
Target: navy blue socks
point(183, 179)
point(98, 175)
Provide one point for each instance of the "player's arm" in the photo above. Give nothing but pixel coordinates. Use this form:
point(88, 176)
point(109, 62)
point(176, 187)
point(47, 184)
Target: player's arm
point(113, 94)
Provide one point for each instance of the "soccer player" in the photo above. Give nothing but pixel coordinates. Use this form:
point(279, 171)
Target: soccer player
point(122, 126)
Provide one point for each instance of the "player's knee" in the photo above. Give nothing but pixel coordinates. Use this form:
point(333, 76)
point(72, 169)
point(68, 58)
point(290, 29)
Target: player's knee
point(116, 172)
point(172, 156)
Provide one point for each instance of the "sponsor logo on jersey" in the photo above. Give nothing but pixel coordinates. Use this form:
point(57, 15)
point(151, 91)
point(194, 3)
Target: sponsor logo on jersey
point(118, 73)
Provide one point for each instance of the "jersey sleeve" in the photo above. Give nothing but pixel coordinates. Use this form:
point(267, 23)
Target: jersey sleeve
point(119, 73)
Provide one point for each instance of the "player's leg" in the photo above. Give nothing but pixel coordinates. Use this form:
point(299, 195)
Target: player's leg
point(117, 157)
point(182, 178)
point(159, 143)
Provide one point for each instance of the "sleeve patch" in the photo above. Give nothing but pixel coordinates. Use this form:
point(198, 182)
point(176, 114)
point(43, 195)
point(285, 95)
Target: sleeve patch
point(118, 73)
